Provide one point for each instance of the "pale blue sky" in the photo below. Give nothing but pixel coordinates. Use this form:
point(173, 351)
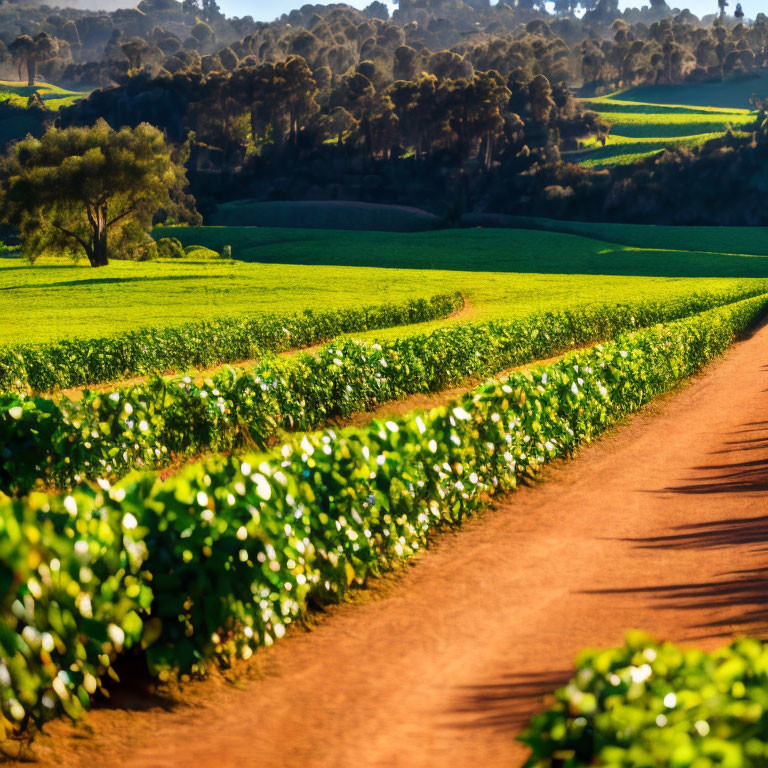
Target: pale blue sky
point(267, 10)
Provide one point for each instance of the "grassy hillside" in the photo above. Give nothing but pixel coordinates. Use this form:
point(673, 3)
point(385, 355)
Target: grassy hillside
point(16, 121)
point(477, 250)
point(324, 215)
point(503, 273)
point(17, 93)
point(644, 121)
point(726, 93)
point(715, 240)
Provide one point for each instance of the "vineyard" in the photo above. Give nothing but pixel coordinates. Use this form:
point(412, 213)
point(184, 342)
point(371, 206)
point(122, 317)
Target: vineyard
point(308, 520)
point(192, 486)
point(383, 384)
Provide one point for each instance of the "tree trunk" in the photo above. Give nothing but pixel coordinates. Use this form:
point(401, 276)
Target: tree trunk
point(488, 151)
point(98, 255)
point(31, 71)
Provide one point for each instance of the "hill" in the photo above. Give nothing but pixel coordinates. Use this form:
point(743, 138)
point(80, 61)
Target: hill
point(646, 120)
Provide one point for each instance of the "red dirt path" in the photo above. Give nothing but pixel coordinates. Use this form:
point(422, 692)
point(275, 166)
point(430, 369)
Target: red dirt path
point(661, 526)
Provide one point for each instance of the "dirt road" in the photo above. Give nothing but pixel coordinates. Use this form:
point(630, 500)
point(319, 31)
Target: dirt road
point(661, 526)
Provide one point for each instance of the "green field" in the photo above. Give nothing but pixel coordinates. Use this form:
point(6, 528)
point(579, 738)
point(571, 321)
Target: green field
point(17, 93)
point(717, 94)
point(712, 240)
point(503, 273)
point(323, 215)
point(16, 121)
point(646, 120)
point(490, 250)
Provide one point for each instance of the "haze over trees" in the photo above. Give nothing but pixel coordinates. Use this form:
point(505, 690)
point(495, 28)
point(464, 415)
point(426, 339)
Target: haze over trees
point(456, 106)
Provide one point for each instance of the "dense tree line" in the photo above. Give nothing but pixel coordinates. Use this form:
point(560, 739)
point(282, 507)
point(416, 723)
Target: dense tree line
point(450, 104)
point(272, 107)
point(450, 37)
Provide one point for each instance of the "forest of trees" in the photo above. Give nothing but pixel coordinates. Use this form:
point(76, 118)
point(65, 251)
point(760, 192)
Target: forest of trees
point(448, 37)
point(457, 106)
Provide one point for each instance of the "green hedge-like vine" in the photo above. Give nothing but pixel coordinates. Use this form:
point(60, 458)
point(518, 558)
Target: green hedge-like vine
point(654, 704)
point(76, 362)
point(223, 557)
point(58, 443)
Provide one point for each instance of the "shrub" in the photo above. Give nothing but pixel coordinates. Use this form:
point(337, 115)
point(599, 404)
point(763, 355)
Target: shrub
point(653, 704)
point(200, 253)
point(170, 248)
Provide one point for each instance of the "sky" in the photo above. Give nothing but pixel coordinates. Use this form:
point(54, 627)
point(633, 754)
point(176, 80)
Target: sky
point(268, 10)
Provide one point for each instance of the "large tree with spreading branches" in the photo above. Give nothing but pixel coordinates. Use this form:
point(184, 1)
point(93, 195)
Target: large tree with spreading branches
point(91, 191)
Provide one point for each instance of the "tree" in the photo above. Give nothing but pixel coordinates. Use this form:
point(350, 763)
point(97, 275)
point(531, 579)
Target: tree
point(407, 63)
point(480, 117)
point(89, 190)
point(211, 10)
point(69, 34)
point(540, 93)
point(377, 10)
point(341, 122)
point(134, 50)
point(204, 35)
point(28, 52)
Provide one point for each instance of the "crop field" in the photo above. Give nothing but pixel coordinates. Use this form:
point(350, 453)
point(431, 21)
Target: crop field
point(502, 273)
point(409, 452)
point(720, 94)
point(343, 419)
point(226, 532)
point(211, 512)
point(646, 120)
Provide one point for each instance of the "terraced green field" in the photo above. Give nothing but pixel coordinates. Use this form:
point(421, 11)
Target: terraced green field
point(16, 121)
point(644, 121)
point(502, 273)
point(718, 94)
point(17, 93)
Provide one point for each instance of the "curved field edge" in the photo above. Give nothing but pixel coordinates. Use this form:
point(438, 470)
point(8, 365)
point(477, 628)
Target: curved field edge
point(738, 242)
point(339, 215)
point(106, 434)
point(624, 150)
point(254, 539)
point(641, 128)
point(727, 94)
point(482, 254)
point(502, 273)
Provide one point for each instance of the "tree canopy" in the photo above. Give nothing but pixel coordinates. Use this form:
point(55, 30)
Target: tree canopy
point(91, 191)
point(451, 104)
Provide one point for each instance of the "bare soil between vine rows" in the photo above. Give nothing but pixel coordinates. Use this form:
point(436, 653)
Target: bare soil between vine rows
point(662, 525)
